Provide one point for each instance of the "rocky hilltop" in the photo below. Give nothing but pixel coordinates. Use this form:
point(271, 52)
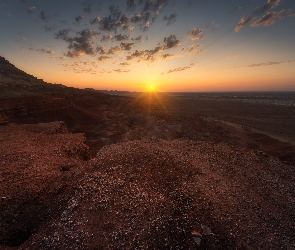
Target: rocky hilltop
point(80, 169)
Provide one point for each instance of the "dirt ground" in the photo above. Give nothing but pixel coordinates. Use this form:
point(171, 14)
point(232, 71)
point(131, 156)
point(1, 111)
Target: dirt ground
point(145, 173)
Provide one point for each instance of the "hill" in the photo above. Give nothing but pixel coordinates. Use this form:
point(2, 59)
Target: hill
point(17, 83)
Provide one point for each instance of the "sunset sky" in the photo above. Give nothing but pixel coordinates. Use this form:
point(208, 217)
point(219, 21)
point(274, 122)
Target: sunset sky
point(174, 45)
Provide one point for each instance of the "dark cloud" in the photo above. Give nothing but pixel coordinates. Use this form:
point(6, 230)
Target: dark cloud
point(170, 19)
point(78, 19)
point(150, 55)
point(167, 56)
point(137, 39)
point(114, 50)
point(63, 35)
point(101, 50)
point(170, 42)
point(195, 34)
point(154, 6)
point(106, 38)
point(136, 54)
point(43, 16)
point(126, 46)
point(121, 37)
point(131, 4)
point(79, 45)
point(243, 22)
point(104, 58)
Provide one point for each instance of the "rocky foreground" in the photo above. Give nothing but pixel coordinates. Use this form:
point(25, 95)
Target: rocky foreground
point(142, 194)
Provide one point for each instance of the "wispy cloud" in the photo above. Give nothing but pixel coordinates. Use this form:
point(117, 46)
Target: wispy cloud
point(263, 64)
point(267, 19)
point(244, 21)
point(170, 19)
point(176, 70)
point(269, 5)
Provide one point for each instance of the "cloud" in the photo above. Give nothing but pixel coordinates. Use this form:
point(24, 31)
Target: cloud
point(212, 26)
point(131, 4)
point(63, 35)
point(236, 9)
point(243, 22)
point(167, 56)
point(112, 21)
point(31, 9)
point(95, 20)
point(121, 71)
point(195, 34)
point(170, 19)
point(43, 16)
point(176, 70)
point(137, 39)
point(171, 42)
point(106, 38)
point(269, 5)
point(101, 50)
point(78, 19)
point(154, 6)
point(268, 19)
point(195, 49)
point(263, 64)
point(104, 58)
point(87, 7)
point(121, 37)
point(79, 45)
point(124, 64)
point(149, 55)
point(114, 50)
point(126, 46)
point(290, 13)
point(45, 51)
point(149, 11)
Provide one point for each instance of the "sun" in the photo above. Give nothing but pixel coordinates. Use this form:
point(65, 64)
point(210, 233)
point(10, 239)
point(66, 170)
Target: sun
point(150, 87)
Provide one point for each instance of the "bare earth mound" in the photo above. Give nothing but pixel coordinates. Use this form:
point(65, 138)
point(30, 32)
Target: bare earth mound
point(179, 194)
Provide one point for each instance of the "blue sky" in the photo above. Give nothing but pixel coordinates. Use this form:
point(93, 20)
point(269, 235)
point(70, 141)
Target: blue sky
point(190, 45)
